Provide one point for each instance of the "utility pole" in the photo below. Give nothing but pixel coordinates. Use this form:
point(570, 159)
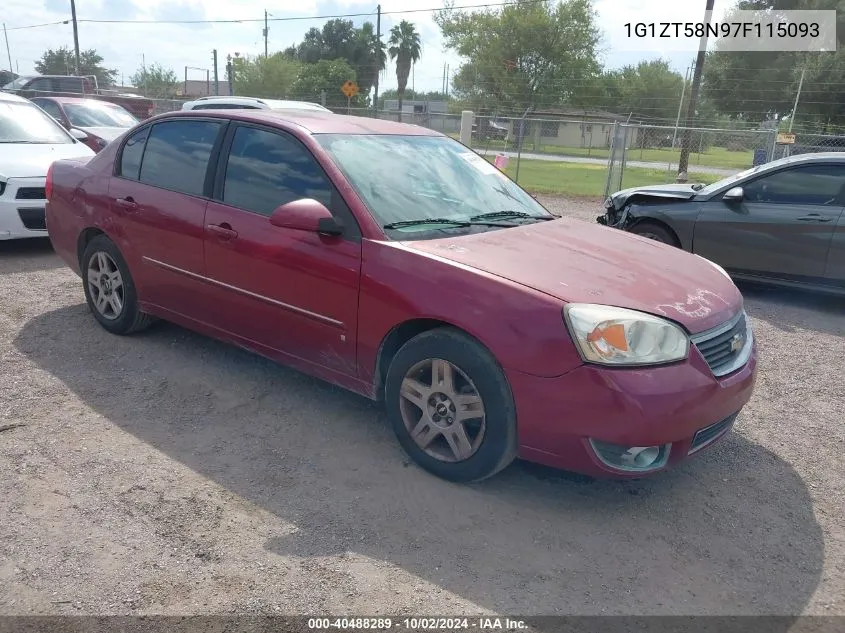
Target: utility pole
point(216, 77)
point(680, 105)
point(146, 78)
point(8, 52)
point(75, 33)
point(797, 95)
point(683, 163)
point(378, 40)
point(266, 32)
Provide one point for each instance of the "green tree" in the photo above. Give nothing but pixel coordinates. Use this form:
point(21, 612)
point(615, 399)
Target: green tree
point(650, 90)
point(62, 61)
point(526, 54)
point(325, 76)
point(272, 77)
point(404, 46)
point(339, 39)
point(155, 81)
point(760, 86)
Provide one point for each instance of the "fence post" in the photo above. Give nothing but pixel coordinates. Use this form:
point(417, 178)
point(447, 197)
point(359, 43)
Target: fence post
point(466, 127)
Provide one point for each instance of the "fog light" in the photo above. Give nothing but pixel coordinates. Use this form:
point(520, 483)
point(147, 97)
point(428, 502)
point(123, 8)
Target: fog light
point(631, 458)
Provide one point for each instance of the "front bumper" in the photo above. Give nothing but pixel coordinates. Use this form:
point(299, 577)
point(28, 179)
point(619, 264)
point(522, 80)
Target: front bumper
point(22, 206)
point(682, 408)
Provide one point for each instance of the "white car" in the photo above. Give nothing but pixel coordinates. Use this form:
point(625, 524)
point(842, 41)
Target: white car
point(30, 140)
point(249, 103)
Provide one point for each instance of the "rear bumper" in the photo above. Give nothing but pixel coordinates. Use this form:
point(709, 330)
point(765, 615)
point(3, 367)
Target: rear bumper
point(561, 420)
point(22, 209)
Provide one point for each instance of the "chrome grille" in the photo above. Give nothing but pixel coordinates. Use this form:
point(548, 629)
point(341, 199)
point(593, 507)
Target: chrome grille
point(726, 348)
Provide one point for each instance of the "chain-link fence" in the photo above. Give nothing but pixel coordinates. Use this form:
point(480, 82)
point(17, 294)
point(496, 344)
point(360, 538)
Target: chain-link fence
point(597, 156)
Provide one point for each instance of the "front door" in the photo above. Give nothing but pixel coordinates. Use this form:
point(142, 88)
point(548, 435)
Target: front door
point(292, 291)
point(782, 227)
point(158, 198)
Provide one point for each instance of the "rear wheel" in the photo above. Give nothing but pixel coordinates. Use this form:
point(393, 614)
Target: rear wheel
point(451, 406)
point(654, 232)
point(109, 288)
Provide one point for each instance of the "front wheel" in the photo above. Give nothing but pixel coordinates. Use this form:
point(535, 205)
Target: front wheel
point(654, 232)
point(109, 288)
point(451, 407)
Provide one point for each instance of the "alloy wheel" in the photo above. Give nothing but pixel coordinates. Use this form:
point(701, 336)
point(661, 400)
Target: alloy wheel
point(105, 285)
point(442, 410)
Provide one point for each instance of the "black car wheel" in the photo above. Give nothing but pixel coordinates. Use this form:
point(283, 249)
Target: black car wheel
point(654, 232)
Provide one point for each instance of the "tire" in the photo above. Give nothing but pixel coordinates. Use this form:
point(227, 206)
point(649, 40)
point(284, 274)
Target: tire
point(479, 386)
point(102, 256)
point(654, 231)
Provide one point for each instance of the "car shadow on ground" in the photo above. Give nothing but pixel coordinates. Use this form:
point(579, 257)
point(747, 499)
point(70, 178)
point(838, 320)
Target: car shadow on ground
point(29, 255)
point(790, 310)
point(732, 531)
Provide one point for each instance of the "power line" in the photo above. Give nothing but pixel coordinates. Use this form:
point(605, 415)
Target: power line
point(287, 19)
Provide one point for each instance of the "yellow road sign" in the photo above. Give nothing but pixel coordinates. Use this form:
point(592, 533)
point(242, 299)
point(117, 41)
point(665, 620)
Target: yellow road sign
point(349, 88)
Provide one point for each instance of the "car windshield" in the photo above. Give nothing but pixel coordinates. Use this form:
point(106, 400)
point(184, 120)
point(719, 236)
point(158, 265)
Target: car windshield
point(98, 115)
point(413, 179)
point(27, 123)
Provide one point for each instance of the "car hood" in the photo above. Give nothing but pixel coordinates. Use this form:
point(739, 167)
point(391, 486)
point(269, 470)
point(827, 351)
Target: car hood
point(22, 160)
point(578, 262)
point(105, 133)
point(675, 191)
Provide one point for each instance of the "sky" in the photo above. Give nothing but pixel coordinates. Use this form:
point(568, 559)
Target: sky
point(127, 46)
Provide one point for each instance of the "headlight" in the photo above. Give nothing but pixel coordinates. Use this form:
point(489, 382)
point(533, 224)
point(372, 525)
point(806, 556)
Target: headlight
point(617, 336)
point(608, 203)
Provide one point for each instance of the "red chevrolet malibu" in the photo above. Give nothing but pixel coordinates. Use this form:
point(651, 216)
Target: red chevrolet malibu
point(393, 261)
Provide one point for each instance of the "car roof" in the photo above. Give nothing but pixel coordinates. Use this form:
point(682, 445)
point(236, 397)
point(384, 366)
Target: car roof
point(838, 157)
point(269, 103)
point(313, 121)
point(76, 100)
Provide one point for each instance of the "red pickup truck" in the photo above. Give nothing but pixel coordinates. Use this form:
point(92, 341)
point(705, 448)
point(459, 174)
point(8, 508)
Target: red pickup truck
point(73, 86)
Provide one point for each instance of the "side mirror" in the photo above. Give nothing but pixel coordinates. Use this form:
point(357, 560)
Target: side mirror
point(79, 135)
point(734, 195)
point(306, 214)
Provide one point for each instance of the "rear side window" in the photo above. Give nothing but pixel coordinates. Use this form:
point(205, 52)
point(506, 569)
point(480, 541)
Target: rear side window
point(266, 170)
point(42, 84)
point(67, 84)
point(177, 155)
point(133, 151)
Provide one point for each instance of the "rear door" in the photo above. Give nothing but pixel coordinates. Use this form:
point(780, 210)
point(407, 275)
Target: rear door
point(158, 198)
point(782, 227)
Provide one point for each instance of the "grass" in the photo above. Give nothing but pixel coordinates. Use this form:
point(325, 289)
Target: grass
point(713, 157)
point(588, 181)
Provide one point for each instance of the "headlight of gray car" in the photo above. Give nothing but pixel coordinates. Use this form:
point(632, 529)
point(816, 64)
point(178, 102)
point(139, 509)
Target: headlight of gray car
point(617, 336)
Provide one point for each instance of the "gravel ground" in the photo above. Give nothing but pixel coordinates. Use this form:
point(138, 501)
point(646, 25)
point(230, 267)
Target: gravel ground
point(168, 473)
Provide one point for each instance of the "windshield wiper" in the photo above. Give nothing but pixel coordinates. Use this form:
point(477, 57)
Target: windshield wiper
point(510, 214)
point(449, 221)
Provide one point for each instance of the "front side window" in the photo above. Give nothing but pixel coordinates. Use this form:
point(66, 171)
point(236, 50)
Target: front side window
point(266, 170)
point(803, 185)
point(177, 155)
point(24, 122)
point(417, 178)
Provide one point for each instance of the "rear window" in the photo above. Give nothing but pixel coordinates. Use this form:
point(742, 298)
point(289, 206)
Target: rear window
point(177, 155)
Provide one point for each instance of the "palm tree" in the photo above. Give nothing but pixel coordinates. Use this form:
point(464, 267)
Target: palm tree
point(405, 47)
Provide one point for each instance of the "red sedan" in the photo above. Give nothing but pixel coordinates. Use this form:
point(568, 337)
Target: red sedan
point(393, 261)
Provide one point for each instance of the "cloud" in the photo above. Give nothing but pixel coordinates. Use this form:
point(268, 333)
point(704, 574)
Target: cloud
point(124, 46)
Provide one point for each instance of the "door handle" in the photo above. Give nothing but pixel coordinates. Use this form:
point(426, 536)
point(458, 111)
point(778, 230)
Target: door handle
point(223, 231)
point(813, 217)
point(127, 203)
